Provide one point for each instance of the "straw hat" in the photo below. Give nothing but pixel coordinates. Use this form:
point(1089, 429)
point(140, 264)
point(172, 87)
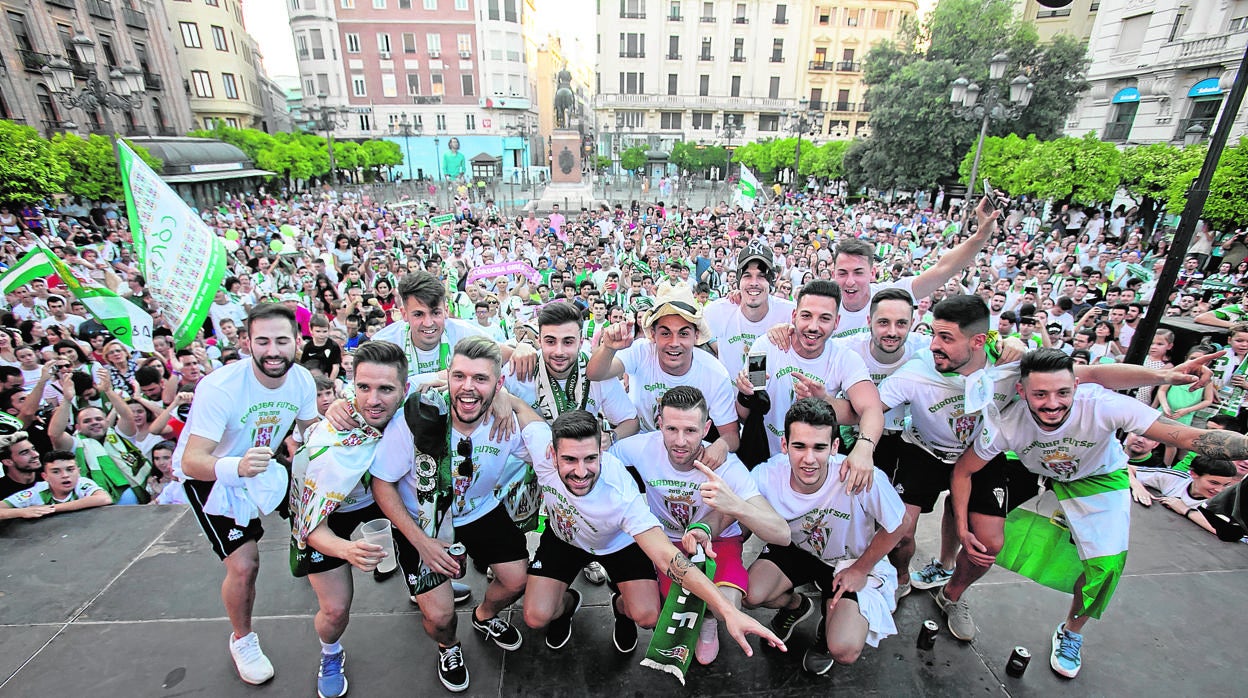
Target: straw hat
point(680, 303)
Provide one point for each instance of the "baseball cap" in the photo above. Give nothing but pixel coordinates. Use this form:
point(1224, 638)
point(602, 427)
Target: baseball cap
point(755, 251)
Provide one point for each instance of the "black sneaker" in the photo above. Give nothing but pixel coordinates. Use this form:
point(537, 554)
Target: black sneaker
point(817, 659)
point(451, 669)
point(462, 592)
point(625, 633)
point(786, 619)
point(379, 576)
point(500, 631)
point(560, 629)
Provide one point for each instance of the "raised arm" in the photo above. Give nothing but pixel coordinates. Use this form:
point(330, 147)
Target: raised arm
point(959, 257)
point(602, 363)
point(1223, 445)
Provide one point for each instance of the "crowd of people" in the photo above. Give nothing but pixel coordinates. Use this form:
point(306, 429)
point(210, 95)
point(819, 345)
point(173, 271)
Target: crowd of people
point(642, 383)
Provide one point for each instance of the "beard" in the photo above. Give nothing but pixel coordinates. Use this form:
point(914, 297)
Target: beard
point(273, 372)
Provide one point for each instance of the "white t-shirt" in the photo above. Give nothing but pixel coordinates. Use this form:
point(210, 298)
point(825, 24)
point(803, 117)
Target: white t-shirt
point(72, 321)
point(422, 367)
point(229, 309)
point(647, 383)
point(1083, 446)
point(836, 368)
point(938, 423)
point(673, 495)
point(860, 344)
point(495, 465)
point(734, 333)
point(607, 398)
point(830, 524)
point(39, 494)
point(603, 521)
point(235, 410)
point(1170, 483)
point(855, 321)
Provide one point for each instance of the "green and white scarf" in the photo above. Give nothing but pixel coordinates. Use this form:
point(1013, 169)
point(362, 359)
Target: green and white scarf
point(434, 491)
point(115, 465)
point(671, 645)
point(554, 399)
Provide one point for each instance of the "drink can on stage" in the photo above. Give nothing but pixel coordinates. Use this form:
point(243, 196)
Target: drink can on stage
point(1018, 662)
point(927, 635)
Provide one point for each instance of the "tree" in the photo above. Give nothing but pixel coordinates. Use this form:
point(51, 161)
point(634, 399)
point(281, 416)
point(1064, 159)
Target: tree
point(1082, 170)
point(93, 171)
point(686, 156)
point(633, 158)
point(29, 168)
point(1226, 205)
point(249, 140)
point(1146, 174)
point(602, 163)
point(381, 153)
point(1000, 162)
point(827, 161)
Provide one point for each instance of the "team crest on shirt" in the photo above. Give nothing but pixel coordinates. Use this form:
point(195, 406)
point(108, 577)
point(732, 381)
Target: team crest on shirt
point(963, 425)
point(565, 522)
point(266, 426)
point(1059, 462)
point(461, 485)
point(816, 536)
point(680, 507)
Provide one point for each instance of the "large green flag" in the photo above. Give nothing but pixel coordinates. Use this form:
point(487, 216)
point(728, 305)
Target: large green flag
point(747, 190)
point(34, 265)
point(182, 260)
point(124, 320)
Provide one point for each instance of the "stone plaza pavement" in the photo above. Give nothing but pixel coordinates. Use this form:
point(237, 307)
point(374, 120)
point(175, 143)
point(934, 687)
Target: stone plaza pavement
point(125, 602)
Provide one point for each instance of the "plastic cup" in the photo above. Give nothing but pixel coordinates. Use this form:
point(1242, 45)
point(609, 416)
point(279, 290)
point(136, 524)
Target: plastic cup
point(377, 532)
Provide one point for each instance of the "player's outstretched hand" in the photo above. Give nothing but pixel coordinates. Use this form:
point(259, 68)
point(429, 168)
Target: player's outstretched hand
point(740, 626)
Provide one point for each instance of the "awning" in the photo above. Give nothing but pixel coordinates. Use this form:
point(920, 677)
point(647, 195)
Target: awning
point(1208, 87)
point(1127, 94)
point(215, 176)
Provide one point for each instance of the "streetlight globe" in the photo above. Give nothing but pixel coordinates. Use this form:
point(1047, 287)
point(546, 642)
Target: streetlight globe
point(1018, 86)
point(118, 81)
point(1194, 134)
point(997, 66)
point(84, 48)
point(135, 79)
point(972, 95)
point(61, 73)
point(958, 93)
point(1028, 92)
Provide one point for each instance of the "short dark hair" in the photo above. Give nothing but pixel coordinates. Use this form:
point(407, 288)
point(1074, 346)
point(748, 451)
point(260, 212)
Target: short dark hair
point(1045, 361)
point(265, 311)
point(56, 455)
point(576, 425)
point(892, 294)
point(146, 375)
point(382, 353)
point(812, 411)
point(558, 313)
point(820, 287)
point(967, 312)
point(422, 286)
point(685, 397)
point(1204, 465)
point(854, 248)
point(165, 445)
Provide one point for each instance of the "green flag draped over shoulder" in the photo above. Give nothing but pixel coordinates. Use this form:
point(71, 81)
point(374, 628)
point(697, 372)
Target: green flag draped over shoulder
point(182, 260)
point(35, 265)
point(124, 320)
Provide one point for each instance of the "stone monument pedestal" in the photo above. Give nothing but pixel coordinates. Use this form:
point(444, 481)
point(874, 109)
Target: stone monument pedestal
point(565, 157)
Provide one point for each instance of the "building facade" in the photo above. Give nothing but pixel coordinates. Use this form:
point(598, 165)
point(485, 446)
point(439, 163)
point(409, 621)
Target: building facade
point(130, 33)
point(1160, 70)
point(454, 68)
point(220, 63)
point(1076, 19)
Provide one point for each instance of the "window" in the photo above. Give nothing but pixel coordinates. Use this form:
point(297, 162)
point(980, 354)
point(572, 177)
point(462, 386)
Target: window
point(1238, 24)
point(673, 11)
point(434, 43)
point(853, 17)
point(389, 86)
point(218, 38)
point(738, 49)
point(703, 120)
point(1176, 28)
point(636, 119)
point(214, 3)
point(231, 87)
point(470, 122)
point(510, 11)
point(632, 45)
point(439, 122)
point(466, 85)
point(436, 83)
point(672, 82)
point(203, 83)
point(670, 121)
point(106, 47)
point(493, 10)
point(632, 9)
point(413, 84)
point(706, 50)
point(734, 89)
point(1046, 14)
point(353, 43)
point(463, 42)
point(708, 12)
point(358, 86)
point(318, 45)
point(347, 4)
point(777, 51)
point(190, 35)
point(47, 107)
point(17, 22)
point(1119, 128)
point(632, 83)
point(366, 122)
point(431, 4)
point(824, 16)
point(673, 47)
point(816, 98)
point(704, 85)
point(322, 83)
point(782, 14)
point(461, 5)
point(768, 122)
point(880, 18)
point(158, 114)
point(739, 18)
point(1131, 36)
point(773, 88)
point(383, 43)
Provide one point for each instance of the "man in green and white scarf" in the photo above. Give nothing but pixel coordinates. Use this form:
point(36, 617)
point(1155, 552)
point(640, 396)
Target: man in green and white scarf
point(105, 454)
point(1064, 431)
point(330, 496)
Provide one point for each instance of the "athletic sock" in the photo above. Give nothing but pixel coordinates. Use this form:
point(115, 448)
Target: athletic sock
point(328, 649)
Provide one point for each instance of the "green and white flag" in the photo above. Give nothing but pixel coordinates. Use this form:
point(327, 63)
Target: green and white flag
point(34, 265)
point(747, 190)
point(183, 261)
point(676, 633)
point(124, 320)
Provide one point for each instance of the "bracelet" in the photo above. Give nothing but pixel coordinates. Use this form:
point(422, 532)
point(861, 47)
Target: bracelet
point(699, 525)
point(869, 440)
point(1187, 513)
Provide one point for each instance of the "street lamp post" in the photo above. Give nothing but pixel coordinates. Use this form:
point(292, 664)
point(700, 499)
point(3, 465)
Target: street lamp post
point(407, 128)
point(728, 130)
point(126, 93)
point(326, 117)
point(971, 103)
point(803, 120)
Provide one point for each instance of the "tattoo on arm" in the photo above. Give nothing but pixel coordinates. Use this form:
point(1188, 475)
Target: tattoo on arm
point(1174, 428)
point(1224, 445)
point(679, 567)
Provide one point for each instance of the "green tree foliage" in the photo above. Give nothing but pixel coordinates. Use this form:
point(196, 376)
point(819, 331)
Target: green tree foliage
point(1146, 174)
point(999, 162)
point(757, 156)
point(1081, 170)
point(633, 158)
point(916, 140)
point(1226, 205)
point(602, 163)
point(381, 153)
point(698, 158)
point(92, 162)
point(827, 161)
point(29, 168)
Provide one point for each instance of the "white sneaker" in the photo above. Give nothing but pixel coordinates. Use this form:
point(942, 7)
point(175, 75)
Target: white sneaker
point(253, 667)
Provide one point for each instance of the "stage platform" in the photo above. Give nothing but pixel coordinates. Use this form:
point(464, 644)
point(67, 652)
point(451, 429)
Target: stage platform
point(125, 602)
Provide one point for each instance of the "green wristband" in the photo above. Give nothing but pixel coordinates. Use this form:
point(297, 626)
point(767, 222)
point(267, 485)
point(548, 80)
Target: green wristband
point(699, 524)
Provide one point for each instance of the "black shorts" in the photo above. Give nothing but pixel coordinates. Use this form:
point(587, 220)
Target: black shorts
point(493, 538)
point(921, 477)
point(556, 559)
point(888, 452)
point(223, 534)
point(419, 579)
point(312, 561)
point(803, 568)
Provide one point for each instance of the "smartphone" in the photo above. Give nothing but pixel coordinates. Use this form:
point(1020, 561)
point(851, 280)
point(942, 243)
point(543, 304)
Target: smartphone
point(993, 196)
point(756, 366)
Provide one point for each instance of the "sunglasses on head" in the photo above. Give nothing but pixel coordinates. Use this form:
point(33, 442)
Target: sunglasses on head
point(464, 449)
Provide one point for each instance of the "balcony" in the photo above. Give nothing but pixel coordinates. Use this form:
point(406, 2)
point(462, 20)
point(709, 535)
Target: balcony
point(166, 131)
point(777, 58)
point(100, 8)
point(780, 20)
point(682, 102)
point(740, 20)
point(706, 57)
point(153, 81)
point(33, 61)
point(842, 106)
point(849, 66)
point(63, 3)
point(738, 59)
point(673, 56)
point(50, 128)
point(632, 15)
point(675, 18)
point(707, 20)
point(427, 99)
point(632, 54)
point(819, 66)
point(138, 130)
point(81, 70)
point(1209, 46)
point(134, 18)
point(1117, 132)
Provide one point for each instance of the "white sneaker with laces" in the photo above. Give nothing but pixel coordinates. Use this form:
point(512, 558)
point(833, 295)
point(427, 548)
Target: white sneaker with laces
point(253, 667)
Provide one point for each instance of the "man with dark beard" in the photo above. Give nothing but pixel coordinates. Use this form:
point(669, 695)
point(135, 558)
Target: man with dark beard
point(241, 414)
